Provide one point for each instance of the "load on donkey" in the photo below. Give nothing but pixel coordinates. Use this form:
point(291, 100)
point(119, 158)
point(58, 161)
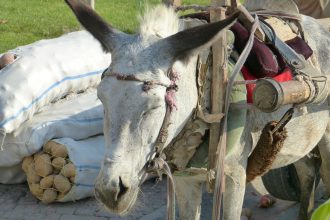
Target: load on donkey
point(150, 123)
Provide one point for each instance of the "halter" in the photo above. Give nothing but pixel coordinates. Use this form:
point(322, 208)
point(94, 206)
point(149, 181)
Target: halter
point(155, 165)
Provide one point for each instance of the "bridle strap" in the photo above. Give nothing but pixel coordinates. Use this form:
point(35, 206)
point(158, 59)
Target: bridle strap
point(131, 77)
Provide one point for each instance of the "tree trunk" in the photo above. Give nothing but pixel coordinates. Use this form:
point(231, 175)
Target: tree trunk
point(172, 2)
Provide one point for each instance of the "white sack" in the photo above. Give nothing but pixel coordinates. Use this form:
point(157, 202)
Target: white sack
point(78, 118)
point(12, 175)
point(46, 71)
point(87, 156)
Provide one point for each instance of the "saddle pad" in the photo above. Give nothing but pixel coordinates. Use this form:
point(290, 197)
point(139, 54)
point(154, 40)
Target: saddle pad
point(263, 60)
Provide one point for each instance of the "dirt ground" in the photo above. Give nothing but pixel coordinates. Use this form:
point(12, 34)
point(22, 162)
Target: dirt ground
point(17, 203)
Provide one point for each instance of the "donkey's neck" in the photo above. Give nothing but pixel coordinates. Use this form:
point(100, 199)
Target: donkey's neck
point(186, 97)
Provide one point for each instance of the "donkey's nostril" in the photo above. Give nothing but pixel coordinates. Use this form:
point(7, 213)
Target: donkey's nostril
point(111, 192)
point(122, 188)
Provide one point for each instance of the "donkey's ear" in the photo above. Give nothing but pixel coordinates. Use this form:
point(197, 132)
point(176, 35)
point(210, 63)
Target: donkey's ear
point(103, 32)
point(189, 42)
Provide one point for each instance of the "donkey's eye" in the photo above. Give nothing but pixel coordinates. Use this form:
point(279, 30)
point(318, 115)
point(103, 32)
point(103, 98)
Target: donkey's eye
point(103, 74)
point(155, 108)
point(151, 110)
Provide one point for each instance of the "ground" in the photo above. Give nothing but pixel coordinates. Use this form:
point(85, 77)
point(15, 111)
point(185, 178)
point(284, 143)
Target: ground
point(17, 203)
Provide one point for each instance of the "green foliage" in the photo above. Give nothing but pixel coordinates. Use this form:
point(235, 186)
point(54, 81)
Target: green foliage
point(322, 212)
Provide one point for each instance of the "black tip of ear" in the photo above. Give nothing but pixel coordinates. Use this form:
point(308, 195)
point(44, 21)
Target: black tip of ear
point(76, 4)
point(186, 43)
point(71, 2)
point(92, 22)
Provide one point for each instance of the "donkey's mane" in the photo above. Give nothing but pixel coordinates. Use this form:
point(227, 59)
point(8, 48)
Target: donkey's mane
point(160, 21)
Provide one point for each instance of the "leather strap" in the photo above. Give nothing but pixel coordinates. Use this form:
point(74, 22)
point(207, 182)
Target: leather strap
point(295, 61)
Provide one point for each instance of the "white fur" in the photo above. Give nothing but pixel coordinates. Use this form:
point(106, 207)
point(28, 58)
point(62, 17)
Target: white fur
point(159, 21)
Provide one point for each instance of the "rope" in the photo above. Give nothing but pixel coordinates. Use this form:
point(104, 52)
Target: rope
point(170, 193)
point(318, 94)
point(245, 82)
point(158, 165)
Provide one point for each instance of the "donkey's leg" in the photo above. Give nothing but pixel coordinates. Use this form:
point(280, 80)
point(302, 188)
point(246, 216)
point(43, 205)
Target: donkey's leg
point(235, 171)
point(189, 196)
point(306, 169)
point(234, 193)
point(324, 148)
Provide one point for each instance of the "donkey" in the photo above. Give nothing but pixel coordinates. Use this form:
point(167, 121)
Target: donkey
point(134, 110)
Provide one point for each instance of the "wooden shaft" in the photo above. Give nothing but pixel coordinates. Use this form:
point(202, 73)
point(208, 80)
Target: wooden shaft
point(219, 80)
point(234, 3)
point(247, 20)
point(217, 147)
point(218, 92)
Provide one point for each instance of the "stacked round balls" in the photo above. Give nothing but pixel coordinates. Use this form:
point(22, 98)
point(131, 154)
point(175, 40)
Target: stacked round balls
point(50, 173)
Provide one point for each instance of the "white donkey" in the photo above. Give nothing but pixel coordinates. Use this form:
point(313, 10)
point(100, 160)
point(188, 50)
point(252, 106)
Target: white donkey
point(134, 110)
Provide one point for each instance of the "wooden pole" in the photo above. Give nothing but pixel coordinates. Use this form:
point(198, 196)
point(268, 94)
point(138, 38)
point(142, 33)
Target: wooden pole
point(218, 143)
point(219, 81)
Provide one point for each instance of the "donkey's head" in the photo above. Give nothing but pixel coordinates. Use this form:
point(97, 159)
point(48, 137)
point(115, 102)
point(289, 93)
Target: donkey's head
point(135, 109)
